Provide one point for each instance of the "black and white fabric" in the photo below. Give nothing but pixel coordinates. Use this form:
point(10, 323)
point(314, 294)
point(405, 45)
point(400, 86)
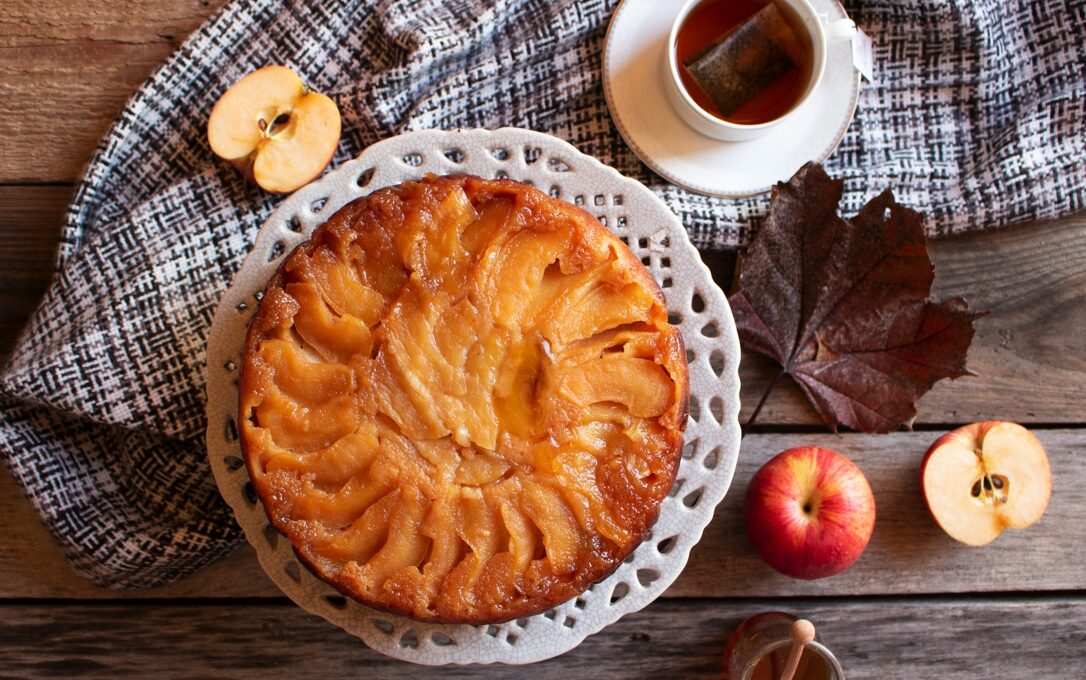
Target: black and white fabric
point(975, 117)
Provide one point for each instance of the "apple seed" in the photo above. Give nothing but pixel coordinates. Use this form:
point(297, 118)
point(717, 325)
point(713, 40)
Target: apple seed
point(281, 120)
point(984, 489)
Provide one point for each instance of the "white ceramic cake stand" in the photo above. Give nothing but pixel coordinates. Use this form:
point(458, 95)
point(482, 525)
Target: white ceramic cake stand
point(697, 306)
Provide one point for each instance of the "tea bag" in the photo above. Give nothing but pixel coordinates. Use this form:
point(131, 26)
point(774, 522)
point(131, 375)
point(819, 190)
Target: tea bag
point(743, 62)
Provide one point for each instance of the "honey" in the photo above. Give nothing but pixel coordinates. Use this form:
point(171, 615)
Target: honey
point(759, 648)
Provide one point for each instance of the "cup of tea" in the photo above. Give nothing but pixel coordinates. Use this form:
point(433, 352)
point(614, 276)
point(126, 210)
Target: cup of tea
point(734, 69)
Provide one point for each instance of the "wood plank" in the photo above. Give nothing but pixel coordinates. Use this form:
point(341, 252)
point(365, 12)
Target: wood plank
point(1030, 351)
point(30, 220)
point(66, 70)
point(32, 564)
point(907, 554)
point(960, 638)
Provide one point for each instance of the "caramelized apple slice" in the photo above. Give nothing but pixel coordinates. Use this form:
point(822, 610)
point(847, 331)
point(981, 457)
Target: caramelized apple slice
point(550, 513)
point(642, 385)
point(336, 338)
point(296, 426)
point(341, 287)
point(306, 382)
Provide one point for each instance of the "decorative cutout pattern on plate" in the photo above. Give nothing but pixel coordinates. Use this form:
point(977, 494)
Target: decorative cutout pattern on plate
point(696, 305)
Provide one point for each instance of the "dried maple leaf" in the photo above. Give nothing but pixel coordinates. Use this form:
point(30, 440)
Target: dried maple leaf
point(844, 305)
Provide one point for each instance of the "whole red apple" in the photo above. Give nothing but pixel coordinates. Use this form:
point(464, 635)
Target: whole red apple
point(809, 512)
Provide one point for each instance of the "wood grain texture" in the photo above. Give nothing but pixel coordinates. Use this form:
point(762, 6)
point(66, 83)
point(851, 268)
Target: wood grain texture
point(32, 564)
point(66, 69)
point(908, 553)
point(886, 639)
point(30, 219)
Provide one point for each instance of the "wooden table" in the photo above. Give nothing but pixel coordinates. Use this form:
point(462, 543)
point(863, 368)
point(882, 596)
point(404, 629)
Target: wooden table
point(917, 604)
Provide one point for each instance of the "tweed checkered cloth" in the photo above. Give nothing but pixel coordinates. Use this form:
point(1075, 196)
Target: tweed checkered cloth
point(976, 117)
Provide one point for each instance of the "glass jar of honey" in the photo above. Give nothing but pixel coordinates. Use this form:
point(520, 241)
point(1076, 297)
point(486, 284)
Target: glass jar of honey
point(759, 647)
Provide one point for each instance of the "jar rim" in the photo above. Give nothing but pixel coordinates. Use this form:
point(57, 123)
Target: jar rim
point(837, 673)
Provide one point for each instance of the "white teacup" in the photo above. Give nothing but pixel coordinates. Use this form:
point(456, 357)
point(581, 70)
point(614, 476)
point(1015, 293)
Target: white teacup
point(821, 32)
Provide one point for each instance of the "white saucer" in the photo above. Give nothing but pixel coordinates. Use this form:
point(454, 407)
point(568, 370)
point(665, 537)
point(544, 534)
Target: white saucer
point(633, 84)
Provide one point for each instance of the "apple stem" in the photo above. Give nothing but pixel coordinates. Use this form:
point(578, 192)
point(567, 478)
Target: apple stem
point(761, 402)
point(803, 634)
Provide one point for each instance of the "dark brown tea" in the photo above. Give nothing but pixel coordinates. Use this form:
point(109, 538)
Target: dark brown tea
point(714, 19)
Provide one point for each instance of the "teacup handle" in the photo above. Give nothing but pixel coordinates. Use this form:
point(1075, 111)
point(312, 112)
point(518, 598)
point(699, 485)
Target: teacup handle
point(838, 29)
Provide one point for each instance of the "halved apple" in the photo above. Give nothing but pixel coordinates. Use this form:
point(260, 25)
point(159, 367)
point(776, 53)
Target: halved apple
point(271, 127)
point(983, 478)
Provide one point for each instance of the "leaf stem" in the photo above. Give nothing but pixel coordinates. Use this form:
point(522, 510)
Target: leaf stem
point(761, 402)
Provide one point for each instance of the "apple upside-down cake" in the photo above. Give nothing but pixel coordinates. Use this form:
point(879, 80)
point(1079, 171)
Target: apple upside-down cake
point(461, 400)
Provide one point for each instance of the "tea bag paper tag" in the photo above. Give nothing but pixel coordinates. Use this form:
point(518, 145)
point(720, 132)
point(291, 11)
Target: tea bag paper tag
point(863, 55)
